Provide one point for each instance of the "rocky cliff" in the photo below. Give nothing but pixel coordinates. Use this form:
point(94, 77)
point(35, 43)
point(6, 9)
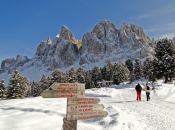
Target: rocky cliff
point(105, 41)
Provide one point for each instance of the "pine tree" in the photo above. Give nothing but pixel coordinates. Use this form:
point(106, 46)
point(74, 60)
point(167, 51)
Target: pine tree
point(88, 81)
point(32, 88)
point(57, 76)
point(36, 89)
point(104, 72)
point(148, 69)
point(66, 77)
point(27, 87)
point(120, 73)
point(130, 65)
point(44, 83)
point(16, 87)
point(80, 75)
point(96, 75)
point(72, 76)
point(2, 90)
point(138, 69)
point(164, 63)
point(109, 72)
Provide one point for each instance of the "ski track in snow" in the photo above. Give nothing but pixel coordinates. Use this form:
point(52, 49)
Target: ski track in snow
point(158, 114)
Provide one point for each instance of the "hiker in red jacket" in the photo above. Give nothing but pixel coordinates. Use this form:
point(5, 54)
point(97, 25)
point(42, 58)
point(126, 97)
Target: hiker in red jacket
point(138, 89)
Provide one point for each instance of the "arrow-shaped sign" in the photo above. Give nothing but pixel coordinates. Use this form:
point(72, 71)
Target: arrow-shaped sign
point(85, 108)
point(86, 115)
point(68, 86)
point(55, 94)
point(82, 101)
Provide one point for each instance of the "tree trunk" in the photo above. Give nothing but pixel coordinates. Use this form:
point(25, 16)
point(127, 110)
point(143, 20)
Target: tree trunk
point(166, 79)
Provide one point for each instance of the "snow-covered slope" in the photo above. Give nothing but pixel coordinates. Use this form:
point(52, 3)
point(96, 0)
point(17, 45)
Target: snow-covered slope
point(104, 42)
point(124, 112)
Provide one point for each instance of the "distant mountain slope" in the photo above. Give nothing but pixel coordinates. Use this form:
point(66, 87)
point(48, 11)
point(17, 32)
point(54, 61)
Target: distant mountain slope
point(104, 42)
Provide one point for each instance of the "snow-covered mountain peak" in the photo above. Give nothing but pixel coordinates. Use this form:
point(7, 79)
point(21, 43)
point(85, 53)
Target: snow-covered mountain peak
point(124, 26)
point(20, 58)
point(103, 43)
point(66, 33)
point(49, 41)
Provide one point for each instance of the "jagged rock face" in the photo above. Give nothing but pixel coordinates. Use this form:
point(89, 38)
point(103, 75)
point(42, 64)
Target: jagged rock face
point(63, 51)
point(66, 50)
point(102, 41)
point(5, 63)
point(10, 64)
point(132, 37)
point(49, 41)
point(41, 49)
point(106, 40)
point(21, 60)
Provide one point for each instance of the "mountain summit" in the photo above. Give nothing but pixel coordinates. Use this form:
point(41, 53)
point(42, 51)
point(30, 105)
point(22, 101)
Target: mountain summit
point(104, 42)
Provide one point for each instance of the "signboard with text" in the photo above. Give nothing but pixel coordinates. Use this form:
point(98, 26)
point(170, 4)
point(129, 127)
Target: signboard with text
point(78, 107)
point(85, 108)
point(63, 94)
point(86, 115)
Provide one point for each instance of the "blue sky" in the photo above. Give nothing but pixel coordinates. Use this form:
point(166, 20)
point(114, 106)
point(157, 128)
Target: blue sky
point(25, 23)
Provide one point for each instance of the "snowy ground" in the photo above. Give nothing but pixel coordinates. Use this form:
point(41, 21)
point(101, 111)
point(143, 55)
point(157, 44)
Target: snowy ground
point(124, 112)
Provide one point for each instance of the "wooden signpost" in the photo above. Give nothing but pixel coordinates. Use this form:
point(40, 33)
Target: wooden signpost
point(69, 125)
point(78, 107)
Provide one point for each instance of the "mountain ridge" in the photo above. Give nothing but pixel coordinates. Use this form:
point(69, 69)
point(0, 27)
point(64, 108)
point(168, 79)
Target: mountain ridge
point(105, 41)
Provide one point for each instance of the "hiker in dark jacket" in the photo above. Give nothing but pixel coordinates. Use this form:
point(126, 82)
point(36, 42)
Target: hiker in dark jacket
point(138, 89)
point(147, 90)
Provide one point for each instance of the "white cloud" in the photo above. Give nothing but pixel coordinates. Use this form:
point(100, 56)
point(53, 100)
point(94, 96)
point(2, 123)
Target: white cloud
point(163, 10)
point(162, 27)
point(162, 30)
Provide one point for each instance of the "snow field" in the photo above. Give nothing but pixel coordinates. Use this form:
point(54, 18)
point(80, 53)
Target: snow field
point(124, 112)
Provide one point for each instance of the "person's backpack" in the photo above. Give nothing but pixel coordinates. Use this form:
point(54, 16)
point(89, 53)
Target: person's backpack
point(148, 88)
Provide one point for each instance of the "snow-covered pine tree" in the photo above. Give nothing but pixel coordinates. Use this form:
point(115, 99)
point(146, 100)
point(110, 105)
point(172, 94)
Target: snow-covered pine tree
point(27, 86)
point(32, 89)
point(80, 75)
point(66, 77)
point(130, 65)
point(36, 89)
point(120, 73)
point(138, 69)
point(96, 75)
point(148, 70)
point(88, 80)
point(3, 90)
point(45, 83)
point(56, 76)
point(72, 76)
point(104, 72)
point(164, 63)
point(109, 72)
point(16, 88)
